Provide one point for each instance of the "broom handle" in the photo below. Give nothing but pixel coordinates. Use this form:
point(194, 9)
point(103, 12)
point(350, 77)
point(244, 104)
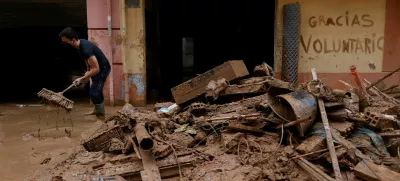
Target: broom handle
point(68, 88)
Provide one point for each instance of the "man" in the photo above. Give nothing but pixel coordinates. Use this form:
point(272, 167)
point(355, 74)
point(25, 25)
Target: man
point(98, 68)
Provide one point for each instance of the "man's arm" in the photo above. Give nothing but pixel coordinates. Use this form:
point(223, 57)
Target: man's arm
point(94, 67)
point(87, 66)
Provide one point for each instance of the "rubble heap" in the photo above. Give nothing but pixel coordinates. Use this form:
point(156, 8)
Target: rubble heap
point(247, 128)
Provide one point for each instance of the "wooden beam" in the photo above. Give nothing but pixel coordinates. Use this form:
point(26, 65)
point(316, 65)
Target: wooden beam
point(151, 171)
point(329, 139)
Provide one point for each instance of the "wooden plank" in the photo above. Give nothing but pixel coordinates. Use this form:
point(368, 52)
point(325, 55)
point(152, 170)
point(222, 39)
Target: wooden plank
point(329, 139)
point(132, 166)
point(244, 89)
point(151, 171)
point(253, 80)
point(369, 171)
point(195, 87)
point(314, 171)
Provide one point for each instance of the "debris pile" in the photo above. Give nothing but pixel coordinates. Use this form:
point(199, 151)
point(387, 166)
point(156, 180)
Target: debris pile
point(226, 125)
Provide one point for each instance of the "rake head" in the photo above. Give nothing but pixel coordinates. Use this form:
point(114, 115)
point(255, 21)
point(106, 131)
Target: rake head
point(56, 98)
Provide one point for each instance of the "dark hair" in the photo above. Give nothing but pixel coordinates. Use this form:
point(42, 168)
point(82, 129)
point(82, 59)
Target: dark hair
point(69, 33)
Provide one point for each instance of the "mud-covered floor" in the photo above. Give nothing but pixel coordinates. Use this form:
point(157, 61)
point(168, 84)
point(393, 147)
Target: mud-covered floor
point(24, 148)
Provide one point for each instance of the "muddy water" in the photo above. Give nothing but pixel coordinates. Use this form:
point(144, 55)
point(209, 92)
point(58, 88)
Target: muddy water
point(33, 137)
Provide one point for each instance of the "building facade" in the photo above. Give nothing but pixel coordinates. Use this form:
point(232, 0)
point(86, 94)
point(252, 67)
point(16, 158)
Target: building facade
point(334, 36)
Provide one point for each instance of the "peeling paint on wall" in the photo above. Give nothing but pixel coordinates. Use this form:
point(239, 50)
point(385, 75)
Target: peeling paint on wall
point(137, 80)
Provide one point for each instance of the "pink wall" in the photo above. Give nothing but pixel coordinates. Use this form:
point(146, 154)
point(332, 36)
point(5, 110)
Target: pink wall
point(98, 34)
point(97, 13)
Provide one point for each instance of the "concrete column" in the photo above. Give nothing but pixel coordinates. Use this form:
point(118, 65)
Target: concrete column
point(136, 53)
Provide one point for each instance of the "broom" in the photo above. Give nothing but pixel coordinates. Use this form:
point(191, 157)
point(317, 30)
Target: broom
point(57, 98)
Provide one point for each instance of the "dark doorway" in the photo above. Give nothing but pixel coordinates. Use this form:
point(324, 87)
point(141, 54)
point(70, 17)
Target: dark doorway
point(33, 56)
point(213, 32)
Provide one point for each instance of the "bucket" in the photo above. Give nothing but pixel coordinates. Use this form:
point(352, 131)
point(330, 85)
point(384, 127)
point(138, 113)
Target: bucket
point(296, 105)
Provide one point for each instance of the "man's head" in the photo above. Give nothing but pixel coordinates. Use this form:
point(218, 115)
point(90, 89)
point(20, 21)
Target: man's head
point(70, 36)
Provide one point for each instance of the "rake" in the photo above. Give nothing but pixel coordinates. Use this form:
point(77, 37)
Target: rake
point(57, 98)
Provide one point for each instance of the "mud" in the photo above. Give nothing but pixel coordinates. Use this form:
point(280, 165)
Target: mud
point(24, 149)
point(229, 167)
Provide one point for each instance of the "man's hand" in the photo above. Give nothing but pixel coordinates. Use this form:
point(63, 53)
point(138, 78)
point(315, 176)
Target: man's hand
point(78, 81)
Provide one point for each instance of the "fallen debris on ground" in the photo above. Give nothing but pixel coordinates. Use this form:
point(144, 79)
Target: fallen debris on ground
point(273, 131)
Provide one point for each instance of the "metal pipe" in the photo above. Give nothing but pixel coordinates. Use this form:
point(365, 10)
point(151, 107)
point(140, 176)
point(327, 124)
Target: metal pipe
point(357, 78)
point(144, 139)
point(123, 53)
point(110, 59)
point(364, 96)
point(341, 93)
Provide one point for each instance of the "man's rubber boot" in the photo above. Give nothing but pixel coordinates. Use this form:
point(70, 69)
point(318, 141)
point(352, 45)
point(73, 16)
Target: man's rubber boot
point(100, 111)
point(91, 113)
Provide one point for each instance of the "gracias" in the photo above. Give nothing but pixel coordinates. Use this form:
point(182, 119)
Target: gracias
point(345, 20)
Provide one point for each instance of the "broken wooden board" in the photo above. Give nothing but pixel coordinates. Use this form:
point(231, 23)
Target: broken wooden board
point(195, 87)
point(391, 134)
point(371, 172)
point(120, 169)
point(277, 87)
point(151, 171)
point(313, 170)
point(253, 80)
point(251, 102)
point(168, 166)
point(244, 89)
